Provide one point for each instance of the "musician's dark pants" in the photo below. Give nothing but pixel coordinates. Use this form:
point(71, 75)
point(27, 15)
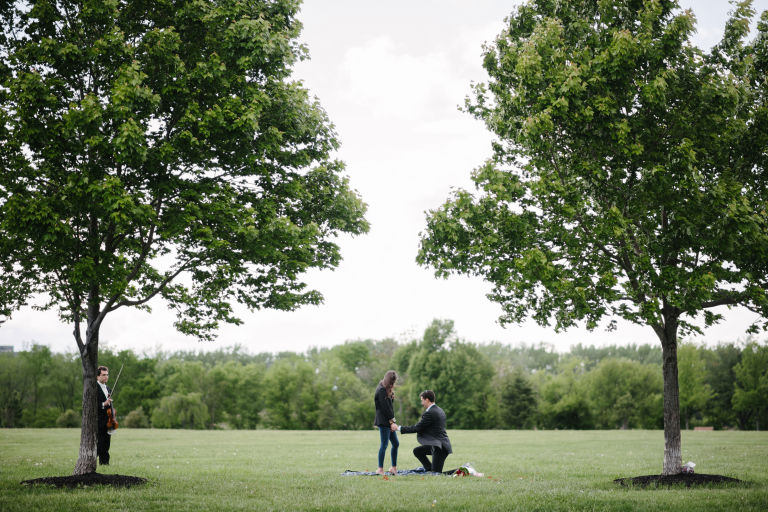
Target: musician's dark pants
point(438, 457)
point(102, 444)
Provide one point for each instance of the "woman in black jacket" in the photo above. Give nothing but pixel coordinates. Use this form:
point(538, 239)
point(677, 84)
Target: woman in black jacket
point(385, 418)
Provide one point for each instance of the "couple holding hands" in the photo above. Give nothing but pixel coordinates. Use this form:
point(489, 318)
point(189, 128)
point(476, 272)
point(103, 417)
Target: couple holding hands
point(430, 430)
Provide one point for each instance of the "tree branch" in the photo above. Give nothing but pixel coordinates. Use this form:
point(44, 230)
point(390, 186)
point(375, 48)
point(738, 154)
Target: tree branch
point(111, 306)
point(725, 300)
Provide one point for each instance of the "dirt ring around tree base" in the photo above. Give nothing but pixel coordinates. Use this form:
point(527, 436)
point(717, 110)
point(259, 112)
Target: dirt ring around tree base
point(88, 479)
point(686, 479)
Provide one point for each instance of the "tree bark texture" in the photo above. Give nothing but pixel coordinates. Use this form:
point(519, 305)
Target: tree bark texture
point(672, 451)
point(89, 356)
point(86, 460)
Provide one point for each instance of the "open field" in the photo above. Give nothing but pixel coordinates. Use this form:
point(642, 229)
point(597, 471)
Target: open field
point(299, 470)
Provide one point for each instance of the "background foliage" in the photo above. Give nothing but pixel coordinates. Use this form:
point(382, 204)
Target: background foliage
point(480, 386)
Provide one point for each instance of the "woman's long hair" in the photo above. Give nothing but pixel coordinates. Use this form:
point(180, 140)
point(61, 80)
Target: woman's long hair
point(388, 382)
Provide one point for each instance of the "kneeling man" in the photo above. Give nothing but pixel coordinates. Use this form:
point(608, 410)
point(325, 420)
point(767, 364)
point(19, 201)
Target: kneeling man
point(431, 434)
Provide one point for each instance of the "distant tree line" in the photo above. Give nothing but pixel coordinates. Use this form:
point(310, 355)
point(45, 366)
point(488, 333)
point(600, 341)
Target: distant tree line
point(480, 386)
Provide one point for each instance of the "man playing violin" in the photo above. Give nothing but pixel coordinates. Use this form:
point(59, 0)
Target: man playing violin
point(105, 404)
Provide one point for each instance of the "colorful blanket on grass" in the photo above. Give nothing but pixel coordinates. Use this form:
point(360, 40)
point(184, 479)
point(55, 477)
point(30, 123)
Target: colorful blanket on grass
point(463, 470)
point(400, 472)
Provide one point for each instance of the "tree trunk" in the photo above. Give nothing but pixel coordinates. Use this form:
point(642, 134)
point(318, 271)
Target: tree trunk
point(673, 460)
point(89, 357)
point(86, 460)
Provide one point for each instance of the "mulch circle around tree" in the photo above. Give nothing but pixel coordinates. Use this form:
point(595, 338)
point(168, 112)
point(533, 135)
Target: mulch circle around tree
point(87, 479)
point(686, 479)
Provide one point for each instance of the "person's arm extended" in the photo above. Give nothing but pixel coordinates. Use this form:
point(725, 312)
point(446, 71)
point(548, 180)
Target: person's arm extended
point(424, 423)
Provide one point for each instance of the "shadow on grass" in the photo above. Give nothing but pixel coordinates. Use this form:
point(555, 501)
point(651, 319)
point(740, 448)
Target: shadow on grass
point(680, 480)
point(88, 479)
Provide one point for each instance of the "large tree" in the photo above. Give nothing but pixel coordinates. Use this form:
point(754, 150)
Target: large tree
point(695, 393)
point(751, 387)
point(628, 177)
point(625, 394)
point(161, 149)
point(456, 371)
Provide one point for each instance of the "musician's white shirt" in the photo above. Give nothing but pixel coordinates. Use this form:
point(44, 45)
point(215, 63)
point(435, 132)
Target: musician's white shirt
point(104, 389)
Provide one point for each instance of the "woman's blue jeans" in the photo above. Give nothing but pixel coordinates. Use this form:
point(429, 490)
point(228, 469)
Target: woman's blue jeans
point(388, 436)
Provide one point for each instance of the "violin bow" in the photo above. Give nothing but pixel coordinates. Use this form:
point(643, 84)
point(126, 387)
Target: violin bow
point(117, 379)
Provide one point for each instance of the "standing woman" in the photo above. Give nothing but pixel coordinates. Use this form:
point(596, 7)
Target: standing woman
point(385, 418)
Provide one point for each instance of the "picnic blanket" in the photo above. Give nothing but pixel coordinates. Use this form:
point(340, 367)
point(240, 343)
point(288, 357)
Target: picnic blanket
point(400, 472)
point(463, 470)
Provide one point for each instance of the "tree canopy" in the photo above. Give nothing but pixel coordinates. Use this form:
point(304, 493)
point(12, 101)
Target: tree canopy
point(162, 150)
point(628, 176)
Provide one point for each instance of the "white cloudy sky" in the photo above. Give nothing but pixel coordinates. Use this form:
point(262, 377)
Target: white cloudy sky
point(390, 75)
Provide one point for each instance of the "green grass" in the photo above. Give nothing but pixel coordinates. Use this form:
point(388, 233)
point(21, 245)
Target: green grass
point(299, 470)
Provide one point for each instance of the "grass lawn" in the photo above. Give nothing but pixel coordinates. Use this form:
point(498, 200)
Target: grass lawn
point(300, 470)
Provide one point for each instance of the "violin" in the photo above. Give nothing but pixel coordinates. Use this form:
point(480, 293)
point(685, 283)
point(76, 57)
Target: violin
point(111, 420)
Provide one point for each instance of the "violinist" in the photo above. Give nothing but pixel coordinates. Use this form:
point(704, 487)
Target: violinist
point(104, 396)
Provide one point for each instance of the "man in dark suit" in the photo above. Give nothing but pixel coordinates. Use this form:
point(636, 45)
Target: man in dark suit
point(105, 402)
point(430, 433)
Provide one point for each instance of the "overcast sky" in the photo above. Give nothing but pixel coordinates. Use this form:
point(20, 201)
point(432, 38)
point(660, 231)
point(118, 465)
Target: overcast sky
point(391, 76)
